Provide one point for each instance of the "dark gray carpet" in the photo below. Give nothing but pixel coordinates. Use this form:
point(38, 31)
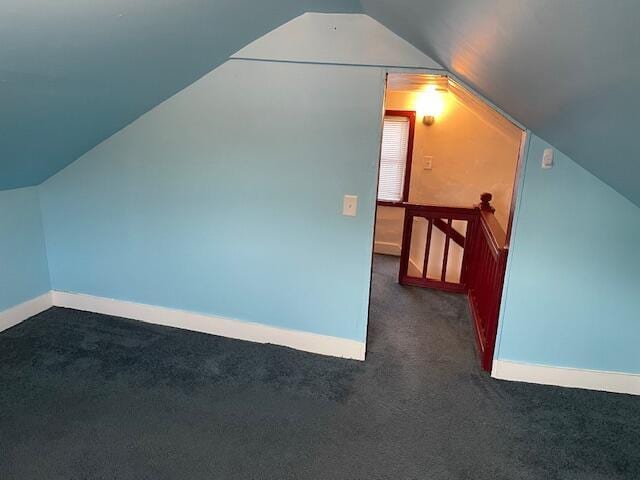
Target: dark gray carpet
point(85, 396)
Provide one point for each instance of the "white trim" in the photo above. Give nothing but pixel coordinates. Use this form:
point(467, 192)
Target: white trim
point(224, 327)
point(387, 248)
point(604, 381)
point(516, 202)
point(468, 87)
point(19, 313)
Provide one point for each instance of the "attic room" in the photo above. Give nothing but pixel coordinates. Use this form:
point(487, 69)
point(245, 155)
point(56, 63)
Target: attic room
point(319, 239)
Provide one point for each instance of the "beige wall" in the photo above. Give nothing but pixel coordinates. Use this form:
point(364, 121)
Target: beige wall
point(388, 235)
point(473, 150)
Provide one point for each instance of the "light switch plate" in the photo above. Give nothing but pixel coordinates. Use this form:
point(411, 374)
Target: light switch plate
point(428, 162)
point(350, 205)
point(547, 158)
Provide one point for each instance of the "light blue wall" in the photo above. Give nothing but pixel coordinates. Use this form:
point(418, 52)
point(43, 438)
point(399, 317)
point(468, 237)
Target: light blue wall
point(573, 286)
point(227, 198)
point(23, 261)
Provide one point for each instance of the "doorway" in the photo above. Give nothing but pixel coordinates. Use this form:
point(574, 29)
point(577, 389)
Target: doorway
point(446, 190)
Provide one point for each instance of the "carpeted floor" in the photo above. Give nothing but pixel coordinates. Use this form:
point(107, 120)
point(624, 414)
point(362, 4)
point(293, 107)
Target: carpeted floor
point(85, 396)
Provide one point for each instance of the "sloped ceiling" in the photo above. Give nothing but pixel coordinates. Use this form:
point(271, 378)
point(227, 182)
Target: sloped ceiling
point(74, 72)
point(335, 38)
point(569, 70)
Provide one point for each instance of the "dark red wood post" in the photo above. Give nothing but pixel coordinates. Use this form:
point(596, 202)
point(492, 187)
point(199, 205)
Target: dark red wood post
point(485, 202)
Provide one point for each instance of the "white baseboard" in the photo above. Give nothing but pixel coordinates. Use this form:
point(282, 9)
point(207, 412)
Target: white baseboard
point(224, 327)
point(617, 382)
point(387, 248)
point(19, 313)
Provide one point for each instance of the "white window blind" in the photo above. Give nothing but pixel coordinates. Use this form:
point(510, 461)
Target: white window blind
point(393, 158)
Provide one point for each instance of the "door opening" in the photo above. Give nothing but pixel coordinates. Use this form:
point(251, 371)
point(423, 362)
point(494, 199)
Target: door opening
point(446, 190)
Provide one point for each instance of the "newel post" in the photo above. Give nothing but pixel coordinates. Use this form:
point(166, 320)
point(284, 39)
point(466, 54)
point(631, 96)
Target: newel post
point(485, 203)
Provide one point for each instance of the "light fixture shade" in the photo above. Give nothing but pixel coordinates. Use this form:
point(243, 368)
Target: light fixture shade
point(430, 104)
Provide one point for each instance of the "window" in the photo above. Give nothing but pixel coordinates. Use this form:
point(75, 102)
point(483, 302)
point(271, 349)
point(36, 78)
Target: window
point(395, 156)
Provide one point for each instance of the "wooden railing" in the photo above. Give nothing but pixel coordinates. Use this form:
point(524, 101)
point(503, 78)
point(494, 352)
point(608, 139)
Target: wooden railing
point(430, 234)
point(487, 265)
point(477, 266)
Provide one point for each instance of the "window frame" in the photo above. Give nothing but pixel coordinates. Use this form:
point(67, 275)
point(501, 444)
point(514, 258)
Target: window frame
point(411, 115)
